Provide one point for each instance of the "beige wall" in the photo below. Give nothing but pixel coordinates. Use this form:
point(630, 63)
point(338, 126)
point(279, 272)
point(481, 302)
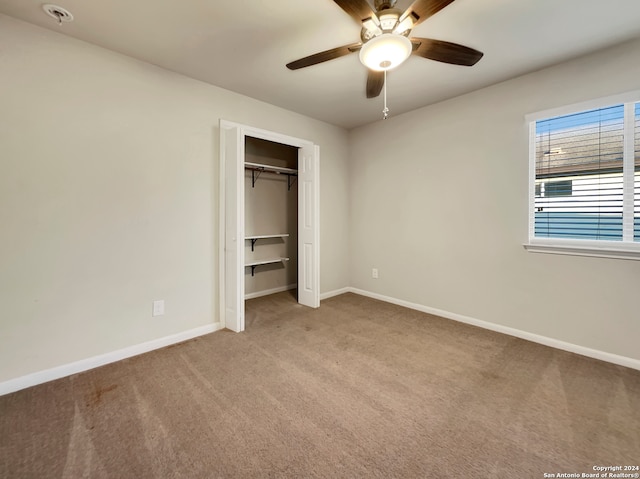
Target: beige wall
point(439, 206)
point(109, 198)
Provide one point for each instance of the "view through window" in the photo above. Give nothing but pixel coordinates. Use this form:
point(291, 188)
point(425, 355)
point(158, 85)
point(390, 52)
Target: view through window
point(583, 188)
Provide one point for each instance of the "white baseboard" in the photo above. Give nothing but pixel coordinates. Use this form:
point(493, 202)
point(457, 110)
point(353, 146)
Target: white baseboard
point(85, 364)
point(79, 366)
point(335, 292)
point(267, 292)
point(536, 338)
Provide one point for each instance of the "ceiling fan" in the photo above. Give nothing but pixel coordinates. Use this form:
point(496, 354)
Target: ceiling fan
point(386, 43)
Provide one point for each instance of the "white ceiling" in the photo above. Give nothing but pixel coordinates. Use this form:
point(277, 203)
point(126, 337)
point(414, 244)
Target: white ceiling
point(243, 45)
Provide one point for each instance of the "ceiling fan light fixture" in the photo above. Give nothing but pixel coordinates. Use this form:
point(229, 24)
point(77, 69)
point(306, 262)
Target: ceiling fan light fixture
point(385, 52)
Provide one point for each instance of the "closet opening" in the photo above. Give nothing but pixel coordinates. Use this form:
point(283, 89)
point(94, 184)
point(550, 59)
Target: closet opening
point(270, 218)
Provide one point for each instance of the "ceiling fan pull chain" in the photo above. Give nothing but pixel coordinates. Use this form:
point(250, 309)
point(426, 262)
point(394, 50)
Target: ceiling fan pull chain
point(385, 111)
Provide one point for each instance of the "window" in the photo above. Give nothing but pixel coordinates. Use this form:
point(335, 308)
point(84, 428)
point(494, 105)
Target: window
point(585, 181)
point(555, 188)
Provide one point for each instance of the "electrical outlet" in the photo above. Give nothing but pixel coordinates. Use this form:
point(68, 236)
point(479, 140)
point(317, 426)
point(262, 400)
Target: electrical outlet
point(374, 273)
point(158, 307)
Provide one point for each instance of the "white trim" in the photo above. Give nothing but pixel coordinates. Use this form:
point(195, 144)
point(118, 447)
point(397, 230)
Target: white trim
point(267, 292)
point(627, 97)
point(222, 218)
point(335, 292)
point(579, 250)
point(267, 135)
point(316, 215)
point(532, 179)
point(628, 172)
point(96, 361)
point(554, 343)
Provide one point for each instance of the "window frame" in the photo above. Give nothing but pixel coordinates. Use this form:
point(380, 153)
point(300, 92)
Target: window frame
point(624, 249)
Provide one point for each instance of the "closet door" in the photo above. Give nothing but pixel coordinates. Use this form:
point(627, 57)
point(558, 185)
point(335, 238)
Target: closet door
point(232, 155)
point(308, 226)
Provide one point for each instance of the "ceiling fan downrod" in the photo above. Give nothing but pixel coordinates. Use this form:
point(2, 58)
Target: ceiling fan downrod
point(385, 110)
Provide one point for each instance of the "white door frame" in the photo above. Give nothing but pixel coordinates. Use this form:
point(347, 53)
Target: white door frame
point(231, 243)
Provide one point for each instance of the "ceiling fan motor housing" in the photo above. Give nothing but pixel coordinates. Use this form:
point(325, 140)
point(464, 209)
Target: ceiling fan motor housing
point(384, 4)
point(387, 20)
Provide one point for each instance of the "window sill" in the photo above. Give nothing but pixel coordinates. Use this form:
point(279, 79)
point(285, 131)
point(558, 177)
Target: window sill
point(625, 251)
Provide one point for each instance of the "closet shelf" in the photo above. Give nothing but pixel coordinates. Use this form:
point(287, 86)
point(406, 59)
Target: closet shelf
point(261, 262)
point(255, 238)
point(258, 168)
point(283, 235)
point(274, 169)
point(266, 261)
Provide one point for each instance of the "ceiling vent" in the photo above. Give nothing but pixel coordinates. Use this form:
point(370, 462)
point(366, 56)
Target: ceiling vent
point(59, 13)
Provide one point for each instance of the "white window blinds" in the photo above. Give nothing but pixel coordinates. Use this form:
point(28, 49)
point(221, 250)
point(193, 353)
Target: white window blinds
point(579, 190)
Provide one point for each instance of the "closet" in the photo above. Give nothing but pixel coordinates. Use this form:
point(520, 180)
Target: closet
point(270, 217)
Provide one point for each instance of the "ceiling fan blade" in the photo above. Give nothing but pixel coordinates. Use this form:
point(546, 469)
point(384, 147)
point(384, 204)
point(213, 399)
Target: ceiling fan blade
point(359, 10)
point(420, 10)
point(446, 52)
point(375, 82)
point(324, 56)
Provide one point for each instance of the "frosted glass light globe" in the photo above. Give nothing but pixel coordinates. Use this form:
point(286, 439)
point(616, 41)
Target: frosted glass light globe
point(385, 51)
